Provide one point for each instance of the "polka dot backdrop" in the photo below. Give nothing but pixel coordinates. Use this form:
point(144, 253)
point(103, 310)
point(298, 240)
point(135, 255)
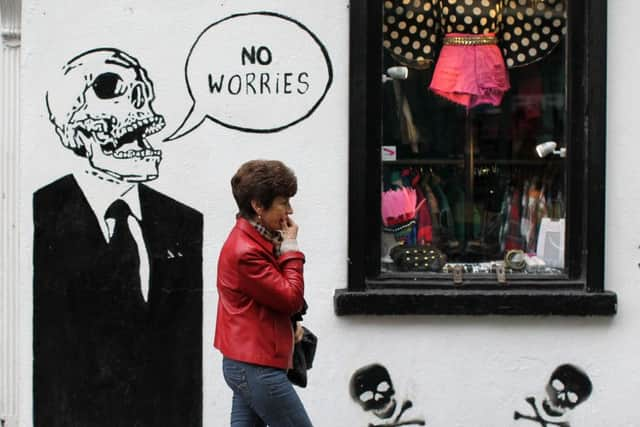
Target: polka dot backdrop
point(527, 30)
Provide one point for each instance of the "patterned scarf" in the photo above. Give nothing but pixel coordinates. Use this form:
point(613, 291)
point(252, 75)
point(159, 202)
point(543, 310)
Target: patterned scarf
point(274, 237)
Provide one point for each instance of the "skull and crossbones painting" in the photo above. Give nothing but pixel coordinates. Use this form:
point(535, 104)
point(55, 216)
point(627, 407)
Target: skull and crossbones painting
point(371, 387)
point(102, 110)
point(567, 387)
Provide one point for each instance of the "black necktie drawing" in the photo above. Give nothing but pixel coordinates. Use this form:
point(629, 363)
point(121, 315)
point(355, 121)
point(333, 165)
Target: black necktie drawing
point(124, 246)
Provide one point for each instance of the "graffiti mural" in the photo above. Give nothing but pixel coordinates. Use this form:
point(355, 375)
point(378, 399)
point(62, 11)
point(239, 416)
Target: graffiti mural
point(117, 265)
point(567, 387)
point(371, 387)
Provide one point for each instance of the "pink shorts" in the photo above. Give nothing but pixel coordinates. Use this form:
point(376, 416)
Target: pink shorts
point(470, 75)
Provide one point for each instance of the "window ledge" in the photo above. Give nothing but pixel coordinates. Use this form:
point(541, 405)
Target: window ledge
point(475, 302)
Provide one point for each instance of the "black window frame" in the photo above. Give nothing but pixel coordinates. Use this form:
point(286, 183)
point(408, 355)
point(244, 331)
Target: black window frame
point(581, 291)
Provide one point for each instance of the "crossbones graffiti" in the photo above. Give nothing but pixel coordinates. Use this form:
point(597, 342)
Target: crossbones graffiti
point(567, 387)
point(101, 109)
point(371, 387)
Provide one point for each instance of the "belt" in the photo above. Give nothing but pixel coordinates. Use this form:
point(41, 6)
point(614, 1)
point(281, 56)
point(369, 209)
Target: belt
point(470, 40)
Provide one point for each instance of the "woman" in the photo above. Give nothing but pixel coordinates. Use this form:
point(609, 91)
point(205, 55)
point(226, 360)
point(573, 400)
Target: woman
point(260, 288)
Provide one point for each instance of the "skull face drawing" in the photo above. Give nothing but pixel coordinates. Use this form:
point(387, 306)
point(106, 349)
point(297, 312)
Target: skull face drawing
point(372, 388)
point(567, 387)
point(101, 108)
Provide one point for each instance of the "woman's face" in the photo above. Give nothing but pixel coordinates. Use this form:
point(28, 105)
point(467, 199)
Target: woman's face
point(276, 214)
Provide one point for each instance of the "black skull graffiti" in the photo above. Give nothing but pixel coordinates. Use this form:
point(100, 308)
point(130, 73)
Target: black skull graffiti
point(567, 387)
point(372, 388)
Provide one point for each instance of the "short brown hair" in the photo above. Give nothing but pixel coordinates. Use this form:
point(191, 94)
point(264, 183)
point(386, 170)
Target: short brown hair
point(263, 181)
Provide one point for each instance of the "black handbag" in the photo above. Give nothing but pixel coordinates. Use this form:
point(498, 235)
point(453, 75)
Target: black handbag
point(418, 258)
point(303, 353)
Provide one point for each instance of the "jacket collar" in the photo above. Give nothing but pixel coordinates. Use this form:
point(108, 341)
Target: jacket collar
point(100, 194)
point(245, 226)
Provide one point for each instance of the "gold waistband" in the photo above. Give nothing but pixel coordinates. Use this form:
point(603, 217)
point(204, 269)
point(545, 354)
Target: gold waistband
point(470, 40)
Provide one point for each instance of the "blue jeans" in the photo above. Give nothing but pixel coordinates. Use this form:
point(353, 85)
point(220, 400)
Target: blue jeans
point(262, 396)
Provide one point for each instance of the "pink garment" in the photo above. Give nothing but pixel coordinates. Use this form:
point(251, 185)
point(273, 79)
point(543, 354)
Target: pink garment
point(398, 206)
point(470, 75)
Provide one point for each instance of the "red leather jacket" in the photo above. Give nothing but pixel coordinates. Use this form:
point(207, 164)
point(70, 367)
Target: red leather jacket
point(258, 294)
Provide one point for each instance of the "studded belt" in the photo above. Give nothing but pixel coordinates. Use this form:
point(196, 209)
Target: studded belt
point(470, 40)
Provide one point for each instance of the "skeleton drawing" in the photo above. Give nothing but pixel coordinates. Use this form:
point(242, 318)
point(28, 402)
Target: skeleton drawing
point(117, 265)
point(567, 387)
point(371, 387)
point(102, 110)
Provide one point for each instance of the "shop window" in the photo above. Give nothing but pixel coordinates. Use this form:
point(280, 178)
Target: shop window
point(477, 153)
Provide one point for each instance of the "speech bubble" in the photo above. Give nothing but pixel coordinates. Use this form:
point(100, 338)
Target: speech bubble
point(255, 72)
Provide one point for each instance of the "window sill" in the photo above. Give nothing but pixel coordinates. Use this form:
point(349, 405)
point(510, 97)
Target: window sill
point(474, 302)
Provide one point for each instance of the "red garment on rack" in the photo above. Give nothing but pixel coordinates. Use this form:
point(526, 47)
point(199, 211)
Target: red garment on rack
point(424, 225)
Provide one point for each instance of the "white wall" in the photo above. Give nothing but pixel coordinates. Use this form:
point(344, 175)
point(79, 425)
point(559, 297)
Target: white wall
point(458, 371)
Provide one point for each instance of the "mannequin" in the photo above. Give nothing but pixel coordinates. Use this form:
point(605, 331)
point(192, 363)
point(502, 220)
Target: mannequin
point(472, 42)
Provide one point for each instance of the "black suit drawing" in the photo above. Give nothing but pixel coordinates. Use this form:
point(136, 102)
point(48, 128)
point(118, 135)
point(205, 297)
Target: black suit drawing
point(102, 356)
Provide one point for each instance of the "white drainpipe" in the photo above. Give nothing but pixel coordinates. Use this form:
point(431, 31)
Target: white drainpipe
point(9, 204)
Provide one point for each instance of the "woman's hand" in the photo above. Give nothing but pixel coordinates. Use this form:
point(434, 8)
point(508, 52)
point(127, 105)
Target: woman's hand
point(289, 229)
point(299, 332)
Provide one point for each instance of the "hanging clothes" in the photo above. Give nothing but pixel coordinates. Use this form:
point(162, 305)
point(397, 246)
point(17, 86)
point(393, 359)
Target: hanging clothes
point(512, 236)
point(525, 222)
point(434, 208)
point(537, 210)
point(469, 35)
point(409, 134)
point(504, 218)
point(447, 222)
point(424, 227)
point(556, 206)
